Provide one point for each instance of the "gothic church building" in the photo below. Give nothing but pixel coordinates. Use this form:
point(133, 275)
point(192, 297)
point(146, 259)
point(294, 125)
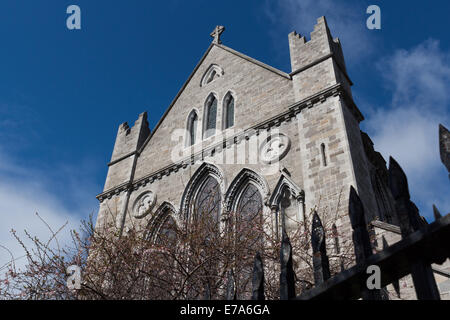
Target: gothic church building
point(243, 130)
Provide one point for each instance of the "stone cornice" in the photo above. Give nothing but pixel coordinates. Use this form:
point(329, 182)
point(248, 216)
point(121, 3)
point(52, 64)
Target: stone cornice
point(276, 121)
point(386, 226)
point(321, 59)
point(121, 158)
point(259, 63)
point(114, 191)
point(312, 64)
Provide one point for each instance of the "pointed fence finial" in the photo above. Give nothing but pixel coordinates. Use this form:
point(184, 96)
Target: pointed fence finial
point(287, 279)
point(437, 214)
point(320, 259)
point(398, 183)
point(410, 221)
point(407, 212)
point(258, 279)
point(361, 239)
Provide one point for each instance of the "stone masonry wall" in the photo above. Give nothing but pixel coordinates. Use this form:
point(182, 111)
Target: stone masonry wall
point(360, 164)
point(259, 94)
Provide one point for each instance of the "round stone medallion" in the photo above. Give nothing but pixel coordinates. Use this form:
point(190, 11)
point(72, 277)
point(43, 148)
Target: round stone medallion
point(275, 148)
point(144, 204)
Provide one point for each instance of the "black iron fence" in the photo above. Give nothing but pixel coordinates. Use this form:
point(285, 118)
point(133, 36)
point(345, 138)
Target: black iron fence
point(421, 246)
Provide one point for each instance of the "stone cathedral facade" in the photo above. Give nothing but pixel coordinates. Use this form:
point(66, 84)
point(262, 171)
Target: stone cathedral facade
point(240, 130)
point(246, 130)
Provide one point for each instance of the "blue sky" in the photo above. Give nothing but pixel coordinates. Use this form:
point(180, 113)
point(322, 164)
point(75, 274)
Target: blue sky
point(63, 93)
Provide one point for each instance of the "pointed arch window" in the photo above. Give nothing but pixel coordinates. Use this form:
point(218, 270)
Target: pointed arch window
point(228, 112)
point(167, 234)
point(196, 190)
point(163, 229)
point(211, 76)
point(206, 214)
point(249, 213)
point(192, 128)
point(250, 203)
point(288, 205)
point(208, 199)
point(249, 209)
point(209, 126)
point(212, 73)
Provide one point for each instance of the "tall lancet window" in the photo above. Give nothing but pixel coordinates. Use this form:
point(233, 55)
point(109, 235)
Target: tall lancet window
point(228, 104)
point(324, 155)
point(208, 199)
point(249, 218)
point(167, 234)
point(191, 128)
point(250, 203)
point(209, 128)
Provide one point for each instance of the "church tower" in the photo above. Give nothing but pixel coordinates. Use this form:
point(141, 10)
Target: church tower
point(331, 144)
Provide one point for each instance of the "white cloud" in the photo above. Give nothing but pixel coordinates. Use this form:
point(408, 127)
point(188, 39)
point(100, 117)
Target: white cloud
point(407, 129)
point(25, 191)
point(347, 21)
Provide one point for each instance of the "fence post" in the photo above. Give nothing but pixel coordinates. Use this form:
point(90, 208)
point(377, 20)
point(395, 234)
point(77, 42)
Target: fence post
point(436, 213)
point(287, 282)
point(444, 147)
point(320, 259)
point(410, 221)
point(258, 279)
point(361, 240)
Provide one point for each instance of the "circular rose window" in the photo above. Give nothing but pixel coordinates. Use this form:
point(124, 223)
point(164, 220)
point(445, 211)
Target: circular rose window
point(144, 204)
point(275, 148)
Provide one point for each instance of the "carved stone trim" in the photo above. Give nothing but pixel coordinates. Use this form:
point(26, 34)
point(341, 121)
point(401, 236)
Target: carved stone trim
point(242, 178)
point(144, 204)
point(205, 170)
point(268, 150)
point(159, 216)
point(108, 194)
point(286, 182)
point(212, 68)
point(286, 116)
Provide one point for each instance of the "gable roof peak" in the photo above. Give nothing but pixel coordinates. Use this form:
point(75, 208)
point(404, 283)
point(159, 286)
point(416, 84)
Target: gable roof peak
point(216, 34)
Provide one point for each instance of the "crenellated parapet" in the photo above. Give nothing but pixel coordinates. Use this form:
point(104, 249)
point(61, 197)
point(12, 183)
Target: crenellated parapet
point(128, 141)
point(317, 63)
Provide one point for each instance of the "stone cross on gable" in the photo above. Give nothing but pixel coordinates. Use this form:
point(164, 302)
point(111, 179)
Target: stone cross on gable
point(216, 34)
